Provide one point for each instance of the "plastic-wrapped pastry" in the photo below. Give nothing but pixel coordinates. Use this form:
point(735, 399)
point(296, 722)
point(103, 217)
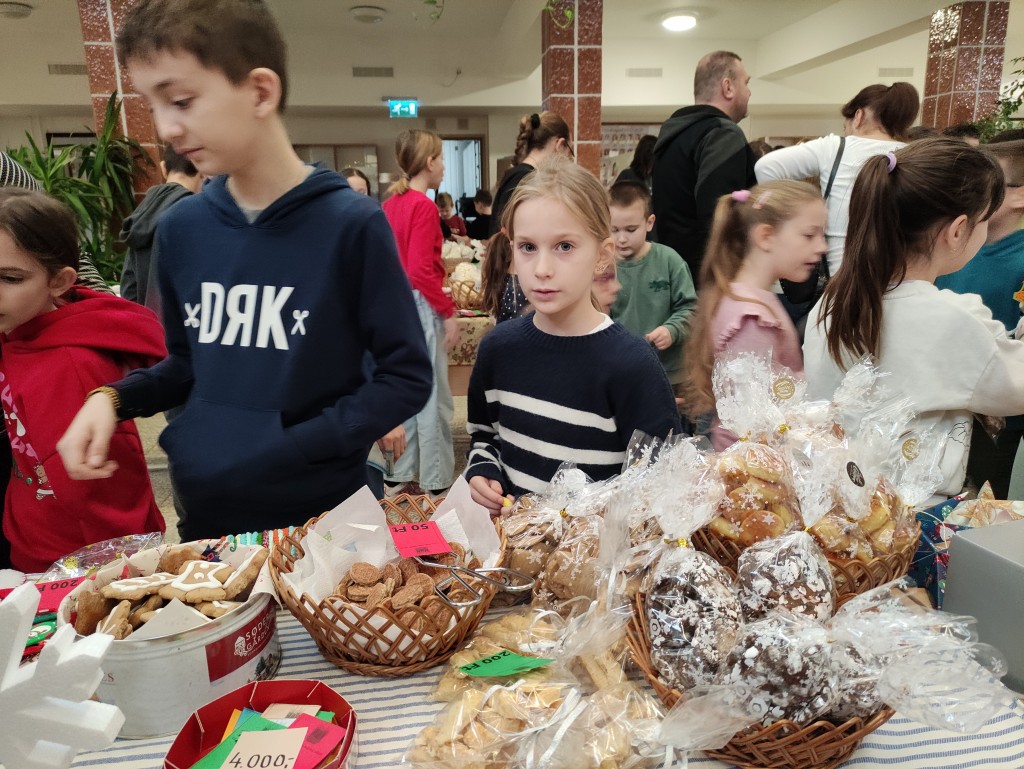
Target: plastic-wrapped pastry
point(790, 573)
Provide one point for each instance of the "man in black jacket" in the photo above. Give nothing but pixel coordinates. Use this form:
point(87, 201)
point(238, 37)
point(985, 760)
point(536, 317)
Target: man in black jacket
point(701, 154)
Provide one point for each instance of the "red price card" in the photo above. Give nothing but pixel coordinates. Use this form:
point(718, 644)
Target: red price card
point(422, 538)
point(52, 593)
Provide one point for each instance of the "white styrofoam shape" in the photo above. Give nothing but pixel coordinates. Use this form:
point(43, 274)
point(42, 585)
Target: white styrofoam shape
point(47, 716)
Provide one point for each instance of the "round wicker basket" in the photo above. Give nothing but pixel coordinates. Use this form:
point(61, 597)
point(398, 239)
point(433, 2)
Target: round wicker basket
point(466, 296)
point(852, 577)
point(380, 642)
point(784, 744)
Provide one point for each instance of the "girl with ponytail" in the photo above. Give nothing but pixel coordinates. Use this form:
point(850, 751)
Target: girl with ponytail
point(916, 214)
point(774, 231)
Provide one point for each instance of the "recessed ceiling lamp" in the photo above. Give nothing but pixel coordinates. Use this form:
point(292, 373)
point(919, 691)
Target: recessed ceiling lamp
point(679, 21)
point(368, 14)
point(15, 10)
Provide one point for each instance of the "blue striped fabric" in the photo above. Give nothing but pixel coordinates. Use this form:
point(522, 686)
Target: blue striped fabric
point(391, 712)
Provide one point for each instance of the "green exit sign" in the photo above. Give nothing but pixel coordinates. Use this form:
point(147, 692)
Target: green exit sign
point(403, 107)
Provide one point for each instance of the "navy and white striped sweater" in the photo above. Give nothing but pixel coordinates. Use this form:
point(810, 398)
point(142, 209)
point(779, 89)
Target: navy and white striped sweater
point(537, 400)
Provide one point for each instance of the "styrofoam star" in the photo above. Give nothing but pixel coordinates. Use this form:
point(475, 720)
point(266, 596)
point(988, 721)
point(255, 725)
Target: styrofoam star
point(47, 718)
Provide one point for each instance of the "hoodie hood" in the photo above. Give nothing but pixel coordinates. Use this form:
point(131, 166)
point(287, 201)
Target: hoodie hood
point(321, 181)
point(138, 229)
point(682, 119)
point(96, 321)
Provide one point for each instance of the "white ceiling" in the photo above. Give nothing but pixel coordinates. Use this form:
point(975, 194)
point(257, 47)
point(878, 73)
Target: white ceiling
point(482, 56)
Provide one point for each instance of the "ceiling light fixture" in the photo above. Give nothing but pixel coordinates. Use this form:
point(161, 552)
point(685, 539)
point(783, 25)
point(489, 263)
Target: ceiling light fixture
point(15, 10)
point(368, 14)
point(679, 21)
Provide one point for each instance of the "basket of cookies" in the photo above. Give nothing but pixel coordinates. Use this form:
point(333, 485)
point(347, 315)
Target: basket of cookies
point(189, 622)
point(374, 612)
point(466, 295)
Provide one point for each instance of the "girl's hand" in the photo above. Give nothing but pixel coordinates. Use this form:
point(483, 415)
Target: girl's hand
point(661, 338)
point(85, 446)
point(451, 333)
point(487, 493)
point(394, 442)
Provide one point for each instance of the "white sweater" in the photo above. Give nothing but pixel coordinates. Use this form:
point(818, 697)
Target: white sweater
point(815, 158)
point(944, 351)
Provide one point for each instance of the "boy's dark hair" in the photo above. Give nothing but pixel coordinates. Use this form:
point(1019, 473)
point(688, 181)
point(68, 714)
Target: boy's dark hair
point(626, 193)
point(918, 132)
point(177, 164)
point(1010, 155)
point(444, 199)
point(894, 106)
point(483, 197)
point(1009, 135)
point(963, 131)
point(42, 226)
point(895, 217)
point(234, 36)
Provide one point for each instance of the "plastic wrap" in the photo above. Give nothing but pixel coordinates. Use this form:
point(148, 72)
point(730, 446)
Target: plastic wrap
point(90, 558)
point(787, 658)
point(790, 573)
point(707, 717)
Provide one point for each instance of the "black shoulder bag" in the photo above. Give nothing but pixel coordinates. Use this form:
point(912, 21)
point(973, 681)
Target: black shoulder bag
point(799, 298)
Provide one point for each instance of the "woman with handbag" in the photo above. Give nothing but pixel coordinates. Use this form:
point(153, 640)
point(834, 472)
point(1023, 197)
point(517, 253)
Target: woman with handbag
point(875, 121)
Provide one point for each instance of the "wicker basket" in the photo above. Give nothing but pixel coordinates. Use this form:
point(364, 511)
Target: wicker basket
point(852, 577)
point(784, 744)
point(396, 643)
point(466, 296)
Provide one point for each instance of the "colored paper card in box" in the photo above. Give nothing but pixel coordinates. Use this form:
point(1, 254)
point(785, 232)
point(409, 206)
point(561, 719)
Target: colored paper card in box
point(263, 750)
point(220, 754)
point(418, 539)
point(504, 663)
point(321, 740)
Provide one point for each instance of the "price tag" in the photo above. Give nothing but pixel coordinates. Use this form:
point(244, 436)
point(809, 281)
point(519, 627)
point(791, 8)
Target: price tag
point(266, 750)
point(423, 538)
point(504, 663)
point(52, 593)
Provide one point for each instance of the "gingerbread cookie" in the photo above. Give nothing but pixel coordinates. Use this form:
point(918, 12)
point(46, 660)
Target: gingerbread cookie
point(136, 588)
point(214, 609)
point(91, 608)
point(174, 558)
point(199, 581)
point(141, 613)
point(244, 577)
point(116, 623)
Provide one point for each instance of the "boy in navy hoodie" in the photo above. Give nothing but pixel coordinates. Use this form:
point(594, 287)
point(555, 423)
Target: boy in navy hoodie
point(275, 283)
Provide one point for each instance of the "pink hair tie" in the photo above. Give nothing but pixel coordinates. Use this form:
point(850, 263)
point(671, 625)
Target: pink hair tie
point(762, 199)
point(741, 196)
point(891, 156)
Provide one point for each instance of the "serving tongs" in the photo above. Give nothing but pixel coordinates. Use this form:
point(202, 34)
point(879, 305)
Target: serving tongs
point(503, 578)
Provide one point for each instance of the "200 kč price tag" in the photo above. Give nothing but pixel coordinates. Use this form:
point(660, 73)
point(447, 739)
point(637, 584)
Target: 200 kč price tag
point(504, 663)
point(418, 539)
point(275, 749)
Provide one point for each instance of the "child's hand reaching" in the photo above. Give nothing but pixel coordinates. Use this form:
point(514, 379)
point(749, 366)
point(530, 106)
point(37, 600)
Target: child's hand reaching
point(488, 493)
point(661, 338)
point(85, 446)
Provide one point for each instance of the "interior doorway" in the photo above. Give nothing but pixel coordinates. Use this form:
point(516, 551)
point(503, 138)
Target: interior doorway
point(463, 172)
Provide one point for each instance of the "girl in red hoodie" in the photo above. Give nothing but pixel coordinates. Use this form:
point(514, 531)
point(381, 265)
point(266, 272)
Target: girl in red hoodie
point(57, 343)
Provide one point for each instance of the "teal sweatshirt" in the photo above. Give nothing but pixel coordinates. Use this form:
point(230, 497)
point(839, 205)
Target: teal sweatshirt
point(995, 273)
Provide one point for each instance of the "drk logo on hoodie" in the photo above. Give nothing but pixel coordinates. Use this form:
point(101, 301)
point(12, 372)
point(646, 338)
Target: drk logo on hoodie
point(245, 315)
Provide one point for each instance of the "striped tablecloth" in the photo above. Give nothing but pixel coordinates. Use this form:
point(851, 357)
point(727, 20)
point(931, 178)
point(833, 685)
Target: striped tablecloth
point(391, 712)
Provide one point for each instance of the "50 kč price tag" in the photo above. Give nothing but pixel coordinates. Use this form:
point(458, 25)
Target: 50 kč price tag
point(418, 539)
point(504, 663)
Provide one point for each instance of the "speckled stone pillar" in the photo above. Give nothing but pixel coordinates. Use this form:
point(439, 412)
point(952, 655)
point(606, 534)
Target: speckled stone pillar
point(571, 73)
point(100, 19)
point(965, 62)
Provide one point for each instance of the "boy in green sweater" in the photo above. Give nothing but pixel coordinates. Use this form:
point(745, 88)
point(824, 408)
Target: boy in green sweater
point(657, 295)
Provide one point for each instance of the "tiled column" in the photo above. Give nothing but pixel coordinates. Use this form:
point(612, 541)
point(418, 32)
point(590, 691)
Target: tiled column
point(571, 73)
point(965, 62)
point(100, 19)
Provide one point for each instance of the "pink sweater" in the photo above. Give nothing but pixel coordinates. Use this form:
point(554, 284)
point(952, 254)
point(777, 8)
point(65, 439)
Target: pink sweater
point(742, 326)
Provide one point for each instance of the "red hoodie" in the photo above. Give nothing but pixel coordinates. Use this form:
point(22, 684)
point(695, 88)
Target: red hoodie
point(47, 366)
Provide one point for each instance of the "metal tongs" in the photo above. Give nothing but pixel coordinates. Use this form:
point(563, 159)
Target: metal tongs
point(509, 580)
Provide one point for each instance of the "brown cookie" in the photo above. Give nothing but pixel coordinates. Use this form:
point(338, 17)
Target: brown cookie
point(174, 558)
point(378, 594)
point(391, 571)
point(148, 606)
point(92, 607)
point(199, 581)
point(214, 609)
point(363, 573)
point(244, 577)
point(409, 568)
point(116, 623)
point(137, 588)
point(358, 592)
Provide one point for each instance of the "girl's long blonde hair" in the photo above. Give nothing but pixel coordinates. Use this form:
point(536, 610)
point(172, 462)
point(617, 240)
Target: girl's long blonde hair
point(736, 215)
point(413, 149)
